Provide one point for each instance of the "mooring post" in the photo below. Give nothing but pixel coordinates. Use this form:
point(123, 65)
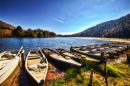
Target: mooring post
point(22, 57)
point(128, 58)
point(102, 54)
point(127, 47)
point(47, 54)
point(60, 51)
point(23, 60)
point(91, 77)
point(105, 72)
point(71, 48)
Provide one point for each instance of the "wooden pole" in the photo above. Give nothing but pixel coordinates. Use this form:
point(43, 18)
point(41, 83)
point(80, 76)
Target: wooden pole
point(105, 72)
point(47, 54)
point(128, 58)
point(102, 54)
point(22, 57)
point(127, 47)
point(91, 77)
point(23, 60)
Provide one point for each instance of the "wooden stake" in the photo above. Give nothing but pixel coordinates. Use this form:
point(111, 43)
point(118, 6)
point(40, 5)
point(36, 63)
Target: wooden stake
point(127, 47)
point(47, 54)
point(22, 57)
point(105, 72)
point(128, 58)
point(102, 54)
point(91, 77)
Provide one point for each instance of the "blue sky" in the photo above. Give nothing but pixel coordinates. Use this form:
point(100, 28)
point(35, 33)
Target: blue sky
point(61, 16)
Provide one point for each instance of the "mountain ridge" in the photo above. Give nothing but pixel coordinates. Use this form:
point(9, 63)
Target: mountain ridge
point(114, 28)
point(4, 25)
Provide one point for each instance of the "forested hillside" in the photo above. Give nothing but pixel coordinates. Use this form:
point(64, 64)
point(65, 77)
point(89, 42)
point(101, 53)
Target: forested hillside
point(119, 28)
point(7, 30)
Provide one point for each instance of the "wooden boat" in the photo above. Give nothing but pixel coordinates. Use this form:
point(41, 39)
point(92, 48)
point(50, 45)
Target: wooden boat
point(9, 60)
point(88, 52)
point(94, 51)
point(77, 57)
point(36, 66)
point(64, 61)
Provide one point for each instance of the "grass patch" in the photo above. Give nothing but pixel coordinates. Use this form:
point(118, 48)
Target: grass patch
point(118, 75)
point(82, 81)
point(58, 83)
point(71, 73)
point(111, 69)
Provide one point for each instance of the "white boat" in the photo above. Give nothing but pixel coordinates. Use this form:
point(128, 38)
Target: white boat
point(36, 66)
point(9, 60)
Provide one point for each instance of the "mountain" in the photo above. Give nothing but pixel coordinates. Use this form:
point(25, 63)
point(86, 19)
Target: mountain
point(6, 29)
point(4, 25)
point(119, 28)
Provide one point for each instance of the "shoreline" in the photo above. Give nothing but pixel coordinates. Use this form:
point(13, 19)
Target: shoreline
point(115, 39)
point(108, 39)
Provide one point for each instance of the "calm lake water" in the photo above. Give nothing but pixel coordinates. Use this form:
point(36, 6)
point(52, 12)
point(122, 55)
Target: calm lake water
point(34, 43)
point(53, 43)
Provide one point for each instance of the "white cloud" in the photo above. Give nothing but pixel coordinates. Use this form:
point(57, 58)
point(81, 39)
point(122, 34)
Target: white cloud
point(102, 5)
point(63, 18)
point(69, 13)
point(66, 33)
point(59, 20)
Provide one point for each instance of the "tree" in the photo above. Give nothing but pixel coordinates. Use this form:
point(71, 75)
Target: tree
point(18, 32)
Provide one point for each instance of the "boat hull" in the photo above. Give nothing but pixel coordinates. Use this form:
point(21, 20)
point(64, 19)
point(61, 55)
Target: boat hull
point(12, 66)
point(33, 81)
point(90, 55)
point(61, 64)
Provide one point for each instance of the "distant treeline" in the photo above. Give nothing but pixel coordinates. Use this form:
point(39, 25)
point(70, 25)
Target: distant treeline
point(19, 32)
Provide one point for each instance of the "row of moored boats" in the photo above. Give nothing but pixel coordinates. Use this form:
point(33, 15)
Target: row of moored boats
point(36, 62)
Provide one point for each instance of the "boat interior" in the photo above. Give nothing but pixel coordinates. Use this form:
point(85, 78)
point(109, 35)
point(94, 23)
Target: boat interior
point(56, 55)
point(6, 57)
point(37, 65)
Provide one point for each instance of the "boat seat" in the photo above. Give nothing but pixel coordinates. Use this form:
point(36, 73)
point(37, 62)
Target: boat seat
point(44, 65)
point(33, 57)
point(32, 67)
point(66, 57)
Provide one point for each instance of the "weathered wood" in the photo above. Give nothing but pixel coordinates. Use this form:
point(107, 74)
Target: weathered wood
point(105, 72)
point(48, 53)
point(127, 47)
point(128, 58)
point(91, 77)
point(102, 54)
point(22, 57)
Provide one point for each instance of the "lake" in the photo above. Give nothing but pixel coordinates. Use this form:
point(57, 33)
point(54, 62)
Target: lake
point(33, 43)
point(53, 43)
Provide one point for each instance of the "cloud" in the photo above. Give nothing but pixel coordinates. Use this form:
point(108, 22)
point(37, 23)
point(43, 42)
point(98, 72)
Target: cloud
point(102, 5)
point(66, 33)
point(69, 13)
point(61, 20)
